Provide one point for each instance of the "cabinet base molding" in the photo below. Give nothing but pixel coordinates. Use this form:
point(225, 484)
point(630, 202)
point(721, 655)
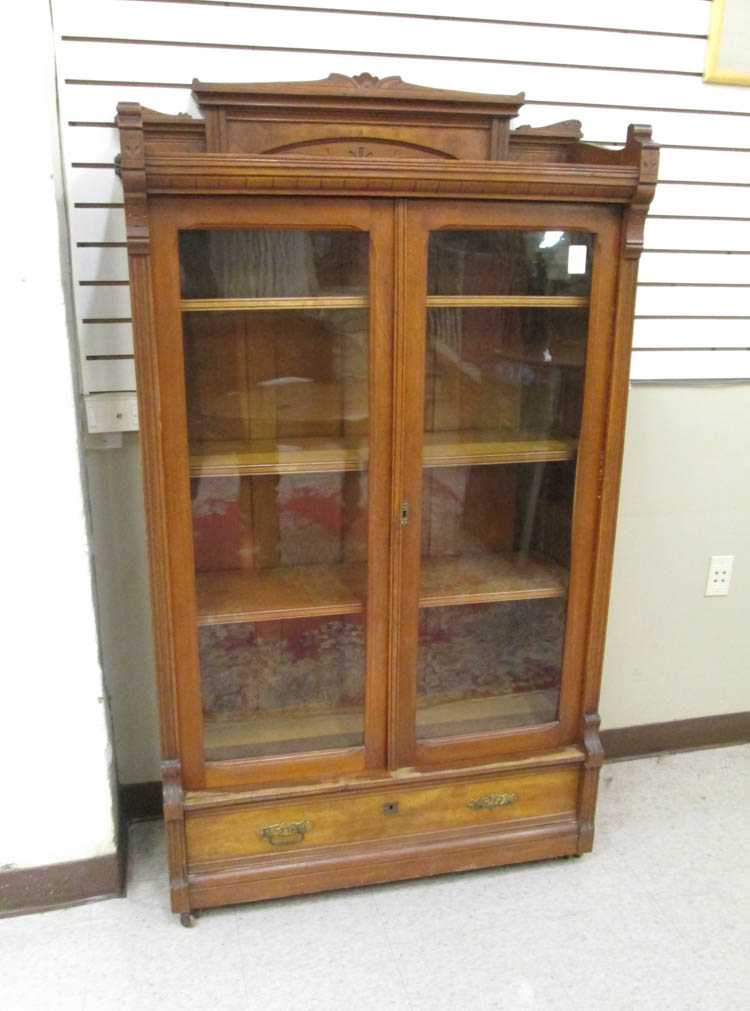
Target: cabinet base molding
point(256, 846)
point(379, 862)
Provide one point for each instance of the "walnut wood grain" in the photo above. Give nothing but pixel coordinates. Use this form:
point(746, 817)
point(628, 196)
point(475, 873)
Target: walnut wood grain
point(396, 160)
point(444, 852)
point(359, 91)
point(204, 800)
point(378, 177)
point(343, 820)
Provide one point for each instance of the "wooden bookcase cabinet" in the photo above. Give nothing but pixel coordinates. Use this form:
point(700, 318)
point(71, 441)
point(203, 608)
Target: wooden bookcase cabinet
point(382, 346)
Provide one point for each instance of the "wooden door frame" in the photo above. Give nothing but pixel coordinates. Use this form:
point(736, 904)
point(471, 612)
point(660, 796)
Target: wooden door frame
point(163, 411)
point(591, 556)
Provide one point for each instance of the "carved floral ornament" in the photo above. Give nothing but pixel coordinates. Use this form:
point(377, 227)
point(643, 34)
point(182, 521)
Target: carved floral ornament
point(367, 82)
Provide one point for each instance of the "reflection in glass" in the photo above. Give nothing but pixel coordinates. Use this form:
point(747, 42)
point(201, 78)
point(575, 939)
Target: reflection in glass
point(503, 403)
point(278, 377)
point(488, 667)
point(274, 520)
point(490, 511)
point(280, 687)
point(263, 263)
point(495, 559)
point(512, 371)
point(278, 425)
point(509, 262)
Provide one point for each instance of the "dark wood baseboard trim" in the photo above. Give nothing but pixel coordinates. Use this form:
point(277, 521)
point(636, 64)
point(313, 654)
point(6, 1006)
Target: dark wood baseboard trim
point(140, 801)
point(52, 886)
point(678, 735)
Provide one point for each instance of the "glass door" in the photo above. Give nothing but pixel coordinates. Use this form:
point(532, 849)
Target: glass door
point(278, 344)
point(505, 337)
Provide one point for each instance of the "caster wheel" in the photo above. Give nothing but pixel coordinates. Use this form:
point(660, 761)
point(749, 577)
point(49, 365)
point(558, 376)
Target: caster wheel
point(187, 919)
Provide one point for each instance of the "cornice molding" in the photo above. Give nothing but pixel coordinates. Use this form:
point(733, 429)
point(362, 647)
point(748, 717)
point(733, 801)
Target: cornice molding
point(248, 174)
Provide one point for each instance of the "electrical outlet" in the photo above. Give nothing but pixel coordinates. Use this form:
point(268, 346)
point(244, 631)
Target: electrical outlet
point(719, 575)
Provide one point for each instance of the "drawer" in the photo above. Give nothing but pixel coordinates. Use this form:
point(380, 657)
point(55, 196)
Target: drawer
point(268, 827)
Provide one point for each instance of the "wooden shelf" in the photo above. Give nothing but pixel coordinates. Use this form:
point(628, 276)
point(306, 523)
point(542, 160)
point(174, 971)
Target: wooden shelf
point(309, 455)
point(506, 301)
point(492, 578)
point(362, 302)
point(272, 304)
point(315, 455)
point(472, 449)
point(300, 591)
point(279, 732)
point(437, 719)
point(312, 591)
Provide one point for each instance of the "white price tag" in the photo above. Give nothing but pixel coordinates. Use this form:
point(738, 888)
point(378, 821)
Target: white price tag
point(576, 259)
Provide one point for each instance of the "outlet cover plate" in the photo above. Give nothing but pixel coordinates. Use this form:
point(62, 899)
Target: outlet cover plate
point(719, 575)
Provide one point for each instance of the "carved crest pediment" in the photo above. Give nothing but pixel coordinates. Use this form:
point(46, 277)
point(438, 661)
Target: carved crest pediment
point(361, 88)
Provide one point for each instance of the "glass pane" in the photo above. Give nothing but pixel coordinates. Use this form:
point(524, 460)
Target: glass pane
point(260, 263)
point(488, 667)
point(509, 262)
point(280, 687)
point(513, 372)
point(504, 391)
point(283, 384)
point(278, 425)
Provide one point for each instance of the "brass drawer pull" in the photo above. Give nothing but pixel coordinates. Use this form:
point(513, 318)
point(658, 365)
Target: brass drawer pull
point(286, 832)
point(490, 800)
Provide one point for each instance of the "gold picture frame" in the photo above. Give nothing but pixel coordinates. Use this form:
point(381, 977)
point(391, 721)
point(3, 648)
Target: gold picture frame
point(728, 50)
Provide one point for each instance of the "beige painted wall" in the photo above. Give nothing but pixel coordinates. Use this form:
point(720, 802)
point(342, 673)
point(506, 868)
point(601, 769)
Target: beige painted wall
point(671, 652)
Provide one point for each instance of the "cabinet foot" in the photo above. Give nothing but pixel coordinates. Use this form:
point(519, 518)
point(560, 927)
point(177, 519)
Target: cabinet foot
point(187, 919)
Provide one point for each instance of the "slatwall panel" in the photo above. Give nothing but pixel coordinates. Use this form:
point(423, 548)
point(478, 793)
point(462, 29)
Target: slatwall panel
point(606, 64)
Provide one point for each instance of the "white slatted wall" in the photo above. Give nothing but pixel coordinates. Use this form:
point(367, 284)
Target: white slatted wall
point(603, 63)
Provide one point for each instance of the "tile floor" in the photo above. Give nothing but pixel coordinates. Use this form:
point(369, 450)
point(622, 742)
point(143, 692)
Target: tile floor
point(658, 917)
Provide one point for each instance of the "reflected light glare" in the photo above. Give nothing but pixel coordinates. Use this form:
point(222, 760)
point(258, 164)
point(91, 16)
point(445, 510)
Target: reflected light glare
point(550, 239)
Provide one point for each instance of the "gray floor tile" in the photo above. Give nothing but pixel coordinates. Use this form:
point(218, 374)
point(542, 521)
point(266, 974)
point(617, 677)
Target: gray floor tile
point(45, 968)
point(58, 920)
point(333, 947)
